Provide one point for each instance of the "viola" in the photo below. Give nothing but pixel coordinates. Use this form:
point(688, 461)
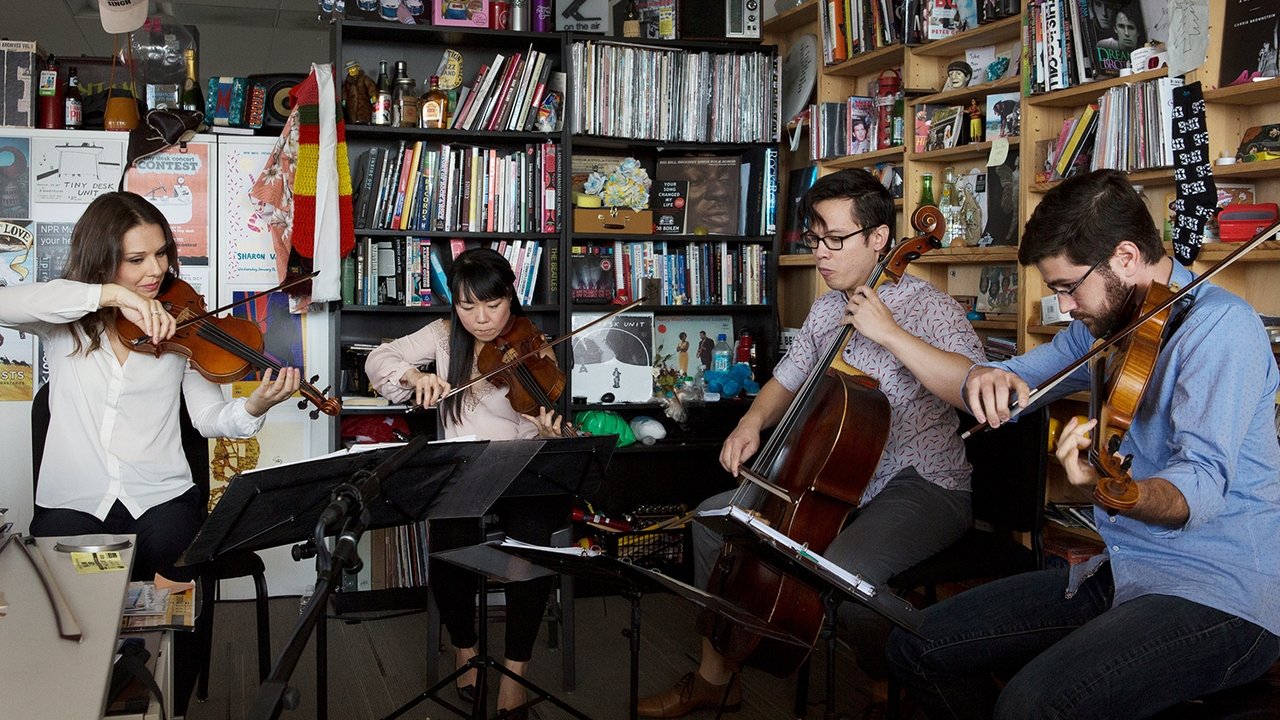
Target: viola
point(515, 360)
point(806, 480)
point(221, 349)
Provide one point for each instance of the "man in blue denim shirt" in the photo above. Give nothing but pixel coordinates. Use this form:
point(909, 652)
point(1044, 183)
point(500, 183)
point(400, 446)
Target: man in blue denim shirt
point(1186, 600)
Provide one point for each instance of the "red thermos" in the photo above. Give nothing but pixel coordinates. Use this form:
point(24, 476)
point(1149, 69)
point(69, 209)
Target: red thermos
point(50, 113)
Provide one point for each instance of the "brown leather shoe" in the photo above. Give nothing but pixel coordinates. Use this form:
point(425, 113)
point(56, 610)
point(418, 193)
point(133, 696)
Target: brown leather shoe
point(691, 693)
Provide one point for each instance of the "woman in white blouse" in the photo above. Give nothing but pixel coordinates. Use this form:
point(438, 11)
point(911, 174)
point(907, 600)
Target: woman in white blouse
point(113, 460)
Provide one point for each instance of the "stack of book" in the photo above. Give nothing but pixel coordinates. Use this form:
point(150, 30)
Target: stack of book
point(1072, 515)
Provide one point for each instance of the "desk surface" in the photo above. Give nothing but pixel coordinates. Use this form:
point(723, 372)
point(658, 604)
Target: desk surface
point(41, 674)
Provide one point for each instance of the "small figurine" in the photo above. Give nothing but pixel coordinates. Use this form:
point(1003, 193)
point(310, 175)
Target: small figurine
point(958, 74)
point(358, 91)
point(975, 121)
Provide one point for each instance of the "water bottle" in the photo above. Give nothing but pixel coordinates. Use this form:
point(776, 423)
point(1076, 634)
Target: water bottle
point(721, 354)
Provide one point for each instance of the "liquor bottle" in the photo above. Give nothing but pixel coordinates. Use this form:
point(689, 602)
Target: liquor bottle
point(435, 105)
point(631, 21)
point(51, 111)
point(382, 101)
point(950, 206)
point(926, 190)
point(72, 102)
point(397, 94)
point(192, 98)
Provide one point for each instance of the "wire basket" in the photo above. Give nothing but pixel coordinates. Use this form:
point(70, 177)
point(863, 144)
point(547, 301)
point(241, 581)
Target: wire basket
point(659, 549)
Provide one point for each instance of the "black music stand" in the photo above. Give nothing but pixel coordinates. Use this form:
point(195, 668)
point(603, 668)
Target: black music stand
point(633, 581)
point(834, 582)
point(563, 466)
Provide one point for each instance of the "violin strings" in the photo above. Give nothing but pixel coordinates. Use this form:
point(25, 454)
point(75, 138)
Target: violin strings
point(541, 397)
point(230, 343)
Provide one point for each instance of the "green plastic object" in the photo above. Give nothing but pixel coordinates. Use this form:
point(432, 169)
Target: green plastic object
point(606, 422)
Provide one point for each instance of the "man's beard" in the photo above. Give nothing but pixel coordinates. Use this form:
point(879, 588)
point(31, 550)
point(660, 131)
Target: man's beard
point(1116, 309)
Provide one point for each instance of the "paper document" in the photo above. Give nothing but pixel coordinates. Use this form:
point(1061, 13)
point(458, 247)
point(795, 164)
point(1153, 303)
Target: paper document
point(851, 582)
point(574, 550)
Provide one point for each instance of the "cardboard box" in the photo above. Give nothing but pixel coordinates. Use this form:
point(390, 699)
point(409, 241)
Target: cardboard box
point(20, 63)
point(613, 221)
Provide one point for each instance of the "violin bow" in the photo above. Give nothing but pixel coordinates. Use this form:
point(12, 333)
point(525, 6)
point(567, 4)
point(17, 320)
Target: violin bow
point(531, 353)
point(210, 313)
point(1127, 330)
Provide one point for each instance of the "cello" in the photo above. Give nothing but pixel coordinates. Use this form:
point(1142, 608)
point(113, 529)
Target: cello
point(814, 467)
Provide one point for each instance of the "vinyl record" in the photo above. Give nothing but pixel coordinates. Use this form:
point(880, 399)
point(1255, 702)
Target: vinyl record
point(278, 104)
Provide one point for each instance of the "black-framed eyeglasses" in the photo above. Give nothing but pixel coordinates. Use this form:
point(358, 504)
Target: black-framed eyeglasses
point(833, 242)
point(1076, 285)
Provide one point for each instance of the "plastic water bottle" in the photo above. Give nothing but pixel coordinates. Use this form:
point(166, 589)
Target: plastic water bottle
point(721, 354)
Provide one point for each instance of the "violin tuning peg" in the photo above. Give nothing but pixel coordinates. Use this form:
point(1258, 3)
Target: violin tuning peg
point(327, 388)
point(302, 404)
point(314, 379)
point(314, 414)
point(1126, 463)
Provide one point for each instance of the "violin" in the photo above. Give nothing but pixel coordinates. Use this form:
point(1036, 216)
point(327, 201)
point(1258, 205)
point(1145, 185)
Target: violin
point(1119, 385)
point(812, 472)
point(221, 349)
point(515, 360)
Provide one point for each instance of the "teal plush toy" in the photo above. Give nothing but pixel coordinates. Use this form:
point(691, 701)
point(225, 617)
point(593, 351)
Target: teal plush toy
point(606, 422)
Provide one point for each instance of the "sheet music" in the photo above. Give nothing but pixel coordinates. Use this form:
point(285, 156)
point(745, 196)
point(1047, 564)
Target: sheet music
point(575, 550)
point(851, 581)
point(356, 449)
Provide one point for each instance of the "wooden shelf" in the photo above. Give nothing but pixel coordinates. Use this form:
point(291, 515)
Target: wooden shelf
point(1154, 176)
point(806, 13)
point(1088, 92)
point(868, 62)
point(944, 97)
point(969, 255)
point(1254, 93)
point(866, 158)
point(1268, 251)
point(960, 152)
point(994, 324)
point(797, 260)
point(1266, 168)
point(1009, 28)
point(1045, 329)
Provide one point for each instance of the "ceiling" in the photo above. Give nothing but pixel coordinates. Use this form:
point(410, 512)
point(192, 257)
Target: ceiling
point(237, 37)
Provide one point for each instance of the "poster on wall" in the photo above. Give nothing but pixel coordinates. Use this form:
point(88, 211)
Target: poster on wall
point(282, 331)
point(17, 252)
point(684, 343)
point(177, 182)
point(15, 177)
point(52, 247)
point(17, 348)
point(76, 170)
point(283, 439)
point(248, 255)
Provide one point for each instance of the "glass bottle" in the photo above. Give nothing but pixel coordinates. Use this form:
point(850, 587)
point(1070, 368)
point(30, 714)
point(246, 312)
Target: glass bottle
point(948, 208)
point(631, 21)
point(435, 105)
point(397, 94)
point(382, 100)
point(192, 98)
point(72, 102)
point(926, 190)
point(405, 103)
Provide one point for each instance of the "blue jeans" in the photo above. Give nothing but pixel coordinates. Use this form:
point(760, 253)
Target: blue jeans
point(1069, 658)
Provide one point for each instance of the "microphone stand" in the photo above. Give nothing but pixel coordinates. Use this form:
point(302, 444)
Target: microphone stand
point(346, 517)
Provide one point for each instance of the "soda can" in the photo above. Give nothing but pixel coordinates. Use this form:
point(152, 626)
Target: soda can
point(499, 15)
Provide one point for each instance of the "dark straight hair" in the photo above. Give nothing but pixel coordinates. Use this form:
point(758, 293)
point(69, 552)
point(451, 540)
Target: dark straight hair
point(1085, 217)
point(97, 248)
point(482, 275)
point(872, 203)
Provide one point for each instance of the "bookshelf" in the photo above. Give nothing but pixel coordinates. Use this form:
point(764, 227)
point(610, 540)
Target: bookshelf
point(1229, 111)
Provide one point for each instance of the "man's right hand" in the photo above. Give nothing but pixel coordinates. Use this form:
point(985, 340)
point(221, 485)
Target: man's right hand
point(989, 391)
point(741, 444)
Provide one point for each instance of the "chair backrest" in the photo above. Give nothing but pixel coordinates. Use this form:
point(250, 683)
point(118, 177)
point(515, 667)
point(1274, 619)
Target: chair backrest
point(194, 445)
point(1009, 467)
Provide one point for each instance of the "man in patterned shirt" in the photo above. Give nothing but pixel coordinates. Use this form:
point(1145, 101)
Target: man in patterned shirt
point(917, 501)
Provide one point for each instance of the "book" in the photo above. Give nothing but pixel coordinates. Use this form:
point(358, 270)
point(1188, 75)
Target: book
point(1078, 143)
point(1001, 218)
point(1004, 115)
point(670, 201)
point(799, 181)
point(714, 190)
point(680, 341)
point(1254, 29)
point(591, 274)
point(945, 128)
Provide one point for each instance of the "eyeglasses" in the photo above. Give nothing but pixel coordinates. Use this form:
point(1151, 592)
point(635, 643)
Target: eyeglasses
point(1076, 285)
point(833, 242)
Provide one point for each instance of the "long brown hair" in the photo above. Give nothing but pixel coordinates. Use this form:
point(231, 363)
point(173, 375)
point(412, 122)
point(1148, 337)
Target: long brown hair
point(97, 248)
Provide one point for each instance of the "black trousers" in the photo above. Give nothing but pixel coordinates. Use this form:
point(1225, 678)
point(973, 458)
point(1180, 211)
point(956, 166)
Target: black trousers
point(530, 519)
point(163, 532)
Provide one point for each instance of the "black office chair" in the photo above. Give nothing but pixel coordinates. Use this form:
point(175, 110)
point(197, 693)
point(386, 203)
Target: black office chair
point(1009, 466)
point(225, 567)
